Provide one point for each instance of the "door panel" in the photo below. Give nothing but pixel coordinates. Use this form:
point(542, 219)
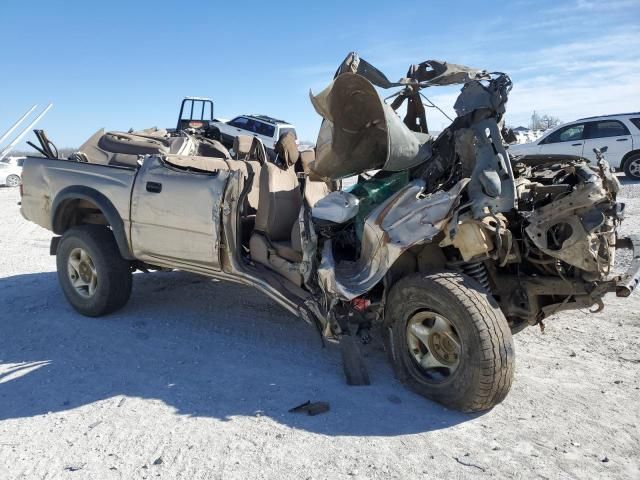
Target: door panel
point(612, 134)
point(568, 140)
point(176, 215)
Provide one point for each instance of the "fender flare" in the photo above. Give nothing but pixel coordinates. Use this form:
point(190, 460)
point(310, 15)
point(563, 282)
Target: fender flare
point(81, 192)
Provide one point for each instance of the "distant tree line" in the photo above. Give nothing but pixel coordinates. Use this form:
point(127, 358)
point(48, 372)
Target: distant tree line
point(62, 153)
point(543, 122)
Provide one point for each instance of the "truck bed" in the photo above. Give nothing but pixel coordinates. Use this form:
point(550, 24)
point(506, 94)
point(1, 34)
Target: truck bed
point(47, 181)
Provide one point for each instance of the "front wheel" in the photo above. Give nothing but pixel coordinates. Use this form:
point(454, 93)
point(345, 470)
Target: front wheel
point(448, 340)
point(94, 277)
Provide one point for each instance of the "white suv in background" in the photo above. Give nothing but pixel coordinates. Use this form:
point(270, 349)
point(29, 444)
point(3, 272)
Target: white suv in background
point(619, 133)
point(265, 128)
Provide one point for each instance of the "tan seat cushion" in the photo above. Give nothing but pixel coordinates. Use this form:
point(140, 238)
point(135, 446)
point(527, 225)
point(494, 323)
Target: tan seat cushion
point(238, 165)
point(280, 202)
point(254, 194)
point(259, 247)
point(314, 191)
point(242, 146)
point(286, 149)
point(253, 197)
point(286, 251)
point(306, 157)
point(258, 152)
point(314, 188)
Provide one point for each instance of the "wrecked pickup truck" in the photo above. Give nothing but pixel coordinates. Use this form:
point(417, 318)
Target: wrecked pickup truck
point(448, 249)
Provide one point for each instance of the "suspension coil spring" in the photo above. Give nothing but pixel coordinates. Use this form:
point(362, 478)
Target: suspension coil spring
point(478, 271)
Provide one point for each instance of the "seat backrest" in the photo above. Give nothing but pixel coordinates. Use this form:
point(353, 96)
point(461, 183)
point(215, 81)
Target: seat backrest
point(253, 157)
point(280, 202)
point(254, 194)
point(241, 146)
point(286, 149)
point(314, 187)
point(246, 167)
point(258, 152)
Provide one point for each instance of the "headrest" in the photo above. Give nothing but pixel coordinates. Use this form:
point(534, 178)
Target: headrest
point(258, 152)
point(286, 149)
point(242, 145)
point(306, 157)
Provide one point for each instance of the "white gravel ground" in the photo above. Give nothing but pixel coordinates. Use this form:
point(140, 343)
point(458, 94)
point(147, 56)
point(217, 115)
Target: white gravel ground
point(193, 380)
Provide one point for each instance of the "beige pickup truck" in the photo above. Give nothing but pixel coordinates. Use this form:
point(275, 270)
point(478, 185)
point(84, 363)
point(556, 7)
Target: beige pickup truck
point(449, 249)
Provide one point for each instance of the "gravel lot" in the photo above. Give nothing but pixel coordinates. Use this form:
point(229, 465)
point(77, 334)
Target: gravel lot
point(193, 379)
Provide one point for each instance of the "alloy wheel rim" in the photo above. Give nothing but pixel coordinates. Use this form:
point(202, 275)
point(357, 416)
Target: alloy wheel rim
point(82, 272)
point(434, 344)
point(634, 167)
point(13, 181)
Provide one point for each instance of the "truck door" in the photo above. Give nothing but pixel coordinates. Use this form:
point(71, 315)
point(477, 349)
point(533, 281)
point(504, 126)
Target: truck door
point(175, 215)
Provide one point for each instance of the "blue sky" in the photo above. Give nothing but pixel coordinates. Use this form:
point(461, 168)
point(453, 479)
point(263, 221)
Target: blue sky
point(128, 64)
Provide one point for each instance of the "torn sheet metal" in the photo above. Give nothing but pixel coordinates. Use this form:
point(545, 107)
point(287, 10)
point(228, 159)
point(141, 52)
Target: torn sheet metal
point(361, 132)
point(492, 182)
point(579, 235)
point(408, 218)
point(427, 73)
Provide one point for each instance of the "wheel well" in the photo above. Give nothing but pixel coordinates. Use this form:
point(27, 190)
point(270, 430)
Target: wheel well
point(420, 258)
point(628, 156)
point(77, 211)
point(80, 205)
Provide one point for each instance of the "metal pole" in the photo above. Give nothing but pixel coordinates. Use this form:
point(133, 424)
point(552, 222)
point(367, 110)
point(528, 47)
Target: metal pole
point(15, 125)
point(15, 141)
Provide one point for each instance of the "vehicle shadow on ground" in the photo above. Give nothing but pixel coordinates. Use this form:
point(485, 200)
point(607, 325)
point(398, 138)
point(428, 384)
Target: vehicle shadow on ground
point(205, 348)
point(627, 181)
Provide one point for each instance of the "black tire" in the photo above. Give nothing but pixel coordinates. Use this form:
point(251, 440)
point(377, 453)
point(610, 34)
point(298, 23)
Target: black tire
point(486, 360)
point(631, 167)
point(112, 271)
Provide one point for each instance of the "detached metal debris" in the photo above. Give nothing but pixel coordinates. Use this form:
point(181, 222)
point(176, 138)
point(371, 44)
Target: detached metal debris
point(311, 408)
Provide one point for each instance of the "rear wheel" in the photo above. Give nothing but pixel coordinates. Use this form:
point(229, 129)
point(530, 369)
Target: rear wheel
point(632, 167)
point(95, 279)
point(13, 181)
point(448, 340)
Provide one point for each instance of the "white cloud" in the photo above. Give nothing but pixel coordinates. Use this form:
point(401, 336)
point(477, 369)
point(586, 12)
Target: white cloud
point(578, 59)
